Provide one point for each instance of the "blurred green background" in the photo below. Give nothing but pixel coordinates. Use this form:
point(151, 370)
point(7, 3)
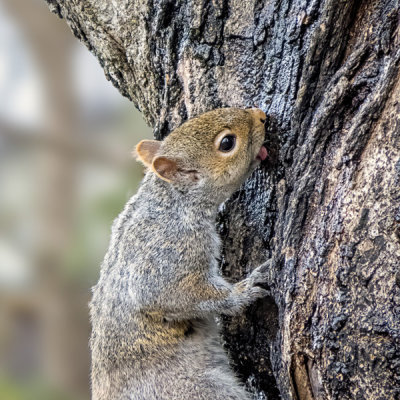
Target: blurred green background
point(66, 171)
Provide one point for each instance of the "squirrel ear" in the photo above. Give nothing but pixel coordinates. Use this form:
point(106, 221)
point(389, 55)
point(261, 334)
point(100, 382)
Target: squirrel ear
point(165, 168)
point(169, 170)
point(146, 150)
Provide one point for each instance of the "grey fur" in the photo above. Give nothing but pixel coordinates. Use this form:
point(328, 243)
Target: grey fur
point(153, 330)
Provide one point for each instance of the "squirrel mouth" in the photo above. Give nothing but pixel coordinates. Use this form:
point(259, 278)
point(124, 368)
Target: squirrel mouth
point(262, 154)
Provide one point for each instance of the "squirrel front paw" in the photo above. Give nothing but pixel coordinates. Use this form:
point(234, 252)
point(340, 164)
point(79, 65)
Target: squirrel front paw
point(248, 290)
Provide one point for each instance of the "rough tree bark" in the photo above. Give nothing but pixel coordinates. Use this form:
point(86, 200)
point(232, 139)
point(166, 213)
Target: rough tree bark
point(326, 209)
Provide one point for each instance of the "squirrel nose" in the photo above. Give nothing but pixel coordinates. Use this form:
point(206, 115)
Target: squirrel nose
point(259, 114)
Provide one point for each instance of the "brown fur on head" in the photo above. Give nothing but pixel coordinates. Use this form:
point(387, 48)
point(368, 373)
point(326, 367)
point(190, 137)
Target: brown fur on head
point(192, 153)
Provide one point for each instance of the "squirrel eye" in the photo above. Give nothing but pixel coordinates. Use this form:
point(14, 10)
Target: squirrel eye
point(227, 143)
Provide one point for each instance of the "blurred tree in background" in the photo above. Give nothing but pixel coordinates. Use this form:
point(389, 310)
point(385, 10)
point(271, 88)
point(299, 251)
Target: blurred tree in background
point(65, 173)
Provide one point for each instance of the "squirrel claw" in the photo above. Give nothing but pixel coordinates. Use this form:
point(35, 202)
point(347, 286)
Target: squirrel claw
point(265, 266)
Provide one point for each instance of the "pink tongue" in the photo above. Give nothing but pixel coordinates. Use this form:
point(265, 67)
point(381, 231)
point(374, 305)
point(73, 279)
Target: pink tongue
point(263, 153)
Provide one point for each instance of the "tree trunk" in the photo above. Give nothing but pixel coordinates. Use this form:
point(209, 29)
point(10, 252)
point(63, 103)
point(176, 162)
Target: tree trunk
point(326, 208)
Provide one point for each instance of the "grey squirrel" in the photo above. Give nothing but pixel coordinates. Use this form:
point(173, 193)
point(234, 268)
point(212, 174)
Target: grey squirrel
point(154, 336)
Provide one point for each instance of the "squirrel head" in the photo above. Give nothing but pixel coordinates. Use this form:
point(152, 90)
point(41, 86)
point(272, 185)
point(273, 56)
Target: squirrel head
point(215, 151)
